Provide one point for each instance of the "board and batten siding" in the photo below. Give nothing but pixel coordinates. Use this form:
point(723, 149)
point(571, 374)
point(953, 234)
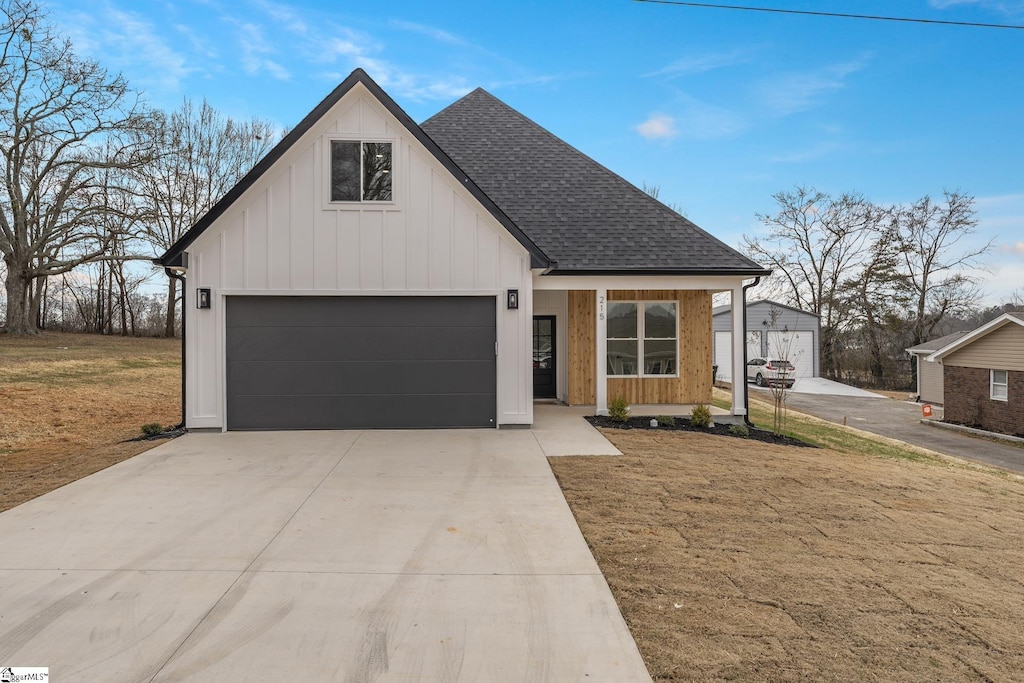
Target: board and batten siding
point(1001, 349)
point(693, 385)
point(282, 236)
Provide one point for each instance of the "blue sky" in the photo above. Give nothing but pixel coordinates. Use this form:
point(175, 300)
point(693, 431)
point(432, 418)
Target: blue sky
point(719, 108)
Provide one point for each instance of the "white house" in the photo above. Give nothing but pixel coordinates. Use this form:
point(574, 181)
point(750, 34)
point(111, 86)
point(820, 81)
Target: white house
point(372, 272)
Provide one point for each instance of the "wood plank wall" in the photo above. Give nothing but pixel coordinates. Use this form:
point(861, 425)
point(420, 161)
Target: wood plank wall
point(696, 350)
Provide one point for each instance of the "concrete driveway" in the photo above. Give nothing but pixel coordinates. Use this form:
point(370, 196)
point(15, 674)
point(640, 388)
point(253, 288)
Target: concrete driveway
point(326, 556)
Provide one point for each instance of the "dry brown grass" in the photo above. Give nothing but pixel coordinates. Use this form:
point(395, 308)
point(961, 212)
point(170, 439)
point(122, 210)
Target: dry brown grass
point(70, 401)
point(741, 561)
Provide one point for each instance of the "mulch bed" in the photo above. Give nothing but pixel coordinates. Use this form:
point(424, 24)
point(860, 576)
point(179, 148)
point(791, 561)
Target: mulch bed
point(682, 424)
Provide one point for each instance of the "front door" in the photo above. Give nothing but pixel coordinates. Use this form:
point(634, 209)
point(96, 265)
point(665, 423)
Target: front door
point(544, 356)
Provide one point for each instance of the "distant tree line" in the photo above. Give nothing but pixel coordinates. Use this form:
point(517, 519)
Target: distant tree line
point(883, 278)
point(96, 183)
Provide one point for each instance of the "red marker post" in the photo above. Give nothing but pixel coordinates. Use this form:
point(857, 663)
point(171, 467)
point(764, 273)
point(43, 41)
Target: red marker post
point(926, 410)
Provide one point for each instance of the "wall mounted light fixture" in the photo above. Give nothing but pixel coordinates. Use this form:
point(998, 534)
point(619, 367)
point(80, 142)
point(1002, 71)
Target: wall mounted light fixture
point(203, 297)
point(513, 299)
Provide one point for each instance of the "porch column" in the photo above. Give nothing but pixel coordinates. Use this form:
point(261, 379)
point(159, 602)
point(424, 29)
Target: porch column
point(601, 338)
point(739, 350)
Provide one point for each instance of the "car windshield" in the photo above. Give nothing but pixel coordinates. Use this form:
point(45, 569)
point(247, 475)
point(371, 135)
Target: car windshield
point(781, 364)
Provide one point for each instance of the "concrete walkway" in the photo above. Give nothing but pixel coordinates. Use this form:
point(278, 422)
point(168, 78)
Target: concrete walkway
point(319, 556)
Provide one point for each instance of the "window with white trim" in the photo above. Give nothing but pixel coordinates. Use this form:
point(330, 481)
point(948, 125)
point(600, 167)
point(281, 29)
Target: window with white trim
point(643, 339)
point(360, 171)
point(998, 384)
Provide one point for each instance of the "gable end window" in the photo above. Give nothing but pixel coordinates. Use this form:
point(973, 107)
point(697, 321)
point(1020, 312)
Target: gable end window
point(360, 171)
point(643, 339)
point(998, 382)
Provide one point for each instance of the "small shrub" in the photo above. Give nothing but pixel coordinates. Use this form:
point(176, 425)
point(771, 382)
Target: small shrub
point(666, 420)
point(152, 429)
point(701, 416)
point(739, 430)
point(618, 409)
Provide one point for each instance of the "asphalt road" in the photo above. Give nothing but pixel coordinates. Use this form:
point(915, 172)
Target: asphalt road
point(901, 420)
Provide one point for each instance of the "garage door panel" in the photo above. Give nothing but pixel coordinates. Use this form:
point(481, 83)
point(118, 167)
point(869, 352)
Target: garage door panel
point(313, 311)
point(362, 343)
point(269, 378)
point(380, 411)
point(360, 362)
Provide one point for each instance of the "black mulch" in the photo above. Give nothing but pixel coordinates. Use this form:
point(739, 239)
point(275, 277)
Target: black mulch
point(683, 424)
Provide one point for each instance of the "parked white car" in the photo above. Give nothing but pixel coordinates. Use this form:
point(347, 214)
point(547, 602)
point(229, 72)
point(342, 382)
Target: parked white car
point(765, 372)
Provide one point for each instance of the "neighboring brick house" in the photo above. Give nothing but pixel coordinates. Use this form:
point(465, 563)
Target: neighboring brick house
point(983, 374)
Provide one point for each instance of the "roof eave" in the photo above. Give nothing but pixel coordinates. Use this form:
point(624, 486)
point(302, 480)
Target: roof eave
point(992, 325)
point(618, 270)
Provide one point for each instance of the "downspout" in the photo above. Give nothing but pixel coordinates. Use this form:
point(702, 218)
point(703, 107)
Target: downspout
point(746, 386)
point(181, 278)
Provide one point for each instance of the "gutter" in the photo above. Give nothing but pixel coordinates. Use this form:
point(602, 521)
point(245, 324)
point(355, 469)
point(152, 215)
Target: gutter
point(180, 278)
point(746, 385)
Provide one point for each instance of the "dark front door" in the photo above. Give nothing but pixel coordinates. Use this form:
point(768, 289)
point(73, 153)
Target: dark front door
point(544, 356)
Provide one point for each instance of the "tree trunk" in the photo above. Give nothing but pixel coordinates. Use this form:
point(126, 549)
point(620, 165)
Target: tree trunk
point(18, 287)
point(172, 291)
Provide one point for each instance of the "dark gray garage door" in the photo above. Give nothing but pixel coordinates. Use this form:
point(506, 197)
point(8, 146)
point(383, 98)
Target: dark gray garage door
point(360, 362)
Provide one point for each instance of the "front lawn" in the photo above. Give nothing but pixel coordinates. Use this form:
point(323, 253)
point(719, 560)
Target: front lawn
point(743, 561)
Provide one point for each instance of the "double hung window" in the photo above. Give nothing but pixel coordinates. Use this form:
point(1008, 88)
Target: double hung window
point(643, 339)
point(998, 385)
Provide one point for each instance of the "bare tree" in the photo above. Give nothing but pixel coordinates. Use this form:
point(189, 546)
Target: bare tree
point(935, 250)
point(64, 121)
point(200, 155)
point(814, 241)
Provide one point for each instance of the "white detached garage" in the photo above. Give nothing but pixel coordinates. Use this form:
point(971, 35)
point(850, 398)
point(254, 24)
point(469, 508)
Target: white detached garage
point(773, 330)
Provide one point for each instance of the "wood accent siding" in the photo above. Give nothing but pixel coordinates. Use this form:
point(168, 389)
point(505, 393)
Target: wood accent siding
point(1001, 349)
point(581, 347)
point(696, 349)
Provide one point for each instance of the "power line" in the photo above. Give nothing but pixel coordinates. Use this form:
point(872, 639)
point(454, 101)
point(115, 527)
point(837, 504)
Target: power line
point(776, 10)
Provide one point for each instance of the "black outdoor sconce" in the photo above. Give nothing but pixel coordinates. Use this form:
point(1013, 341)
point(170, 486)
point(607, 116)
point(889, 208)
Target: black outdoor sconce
point(203, 297)
point(513, 299)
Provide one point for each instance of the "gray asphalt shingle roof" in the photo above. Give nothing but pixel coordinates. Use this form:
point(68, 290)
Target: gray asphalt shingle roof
point(933, 345)
point(578, 212)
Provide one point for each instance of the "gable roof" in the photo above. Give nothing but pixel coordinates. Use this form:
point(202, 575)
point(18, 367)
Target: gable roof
point(719, 310)
point(991, 326)
point(175, 255)
point(582, 215)
point(933, 345)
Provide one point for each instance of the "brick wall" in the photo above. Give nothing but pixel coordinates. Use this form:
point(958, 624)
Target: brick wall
point(967, 400)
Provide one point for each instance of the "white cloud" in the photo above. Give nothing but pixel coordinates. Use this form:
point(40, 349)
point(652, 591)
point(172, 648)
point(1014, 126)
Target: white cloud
point(254, 51)
point(1015, 248)
point(1009, 7)
point(799, 91)
point(658, 127)
point(123, 40)
point(696, 64)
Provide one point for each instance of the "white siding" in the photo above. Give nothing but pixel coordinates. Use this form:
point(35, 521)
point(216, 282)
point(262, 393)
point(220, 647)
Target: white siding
point(281, 237)
point(556, 303)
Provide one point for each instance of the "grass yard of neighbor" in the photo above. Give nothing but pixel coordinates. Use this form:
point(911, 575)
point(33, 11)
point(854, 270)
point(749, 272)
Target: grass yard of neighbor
point(69, 402)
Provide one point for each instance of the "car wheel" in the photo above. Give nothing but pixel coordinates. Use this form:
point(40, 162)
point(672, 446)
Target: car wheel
point(759, 380)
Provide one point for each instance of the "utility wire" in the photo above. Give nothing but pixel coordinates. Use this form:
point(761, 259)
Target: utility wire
point(776, 10)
